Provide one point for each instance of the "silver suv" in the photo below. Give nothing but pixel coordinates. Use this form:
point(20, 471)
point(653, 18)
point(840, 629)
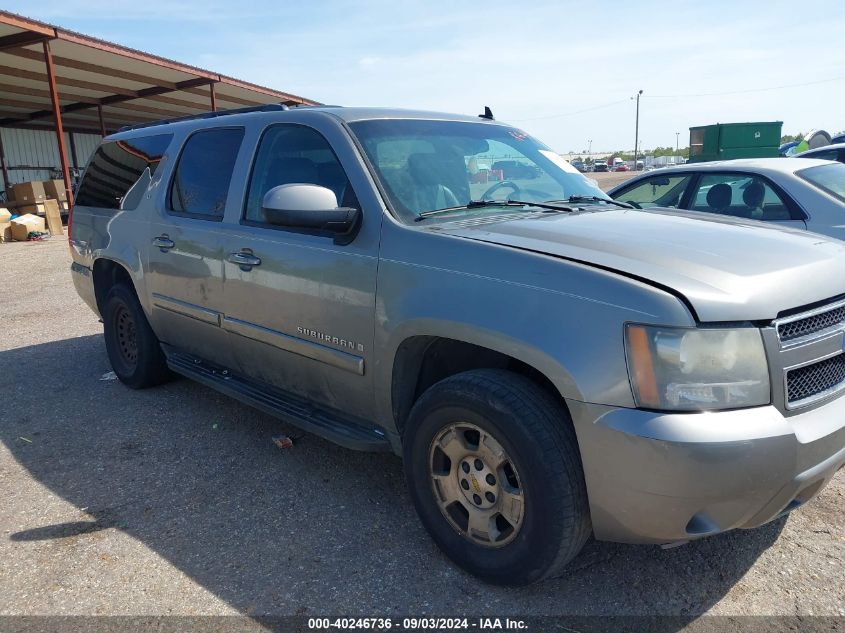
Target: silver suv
point(548, 363)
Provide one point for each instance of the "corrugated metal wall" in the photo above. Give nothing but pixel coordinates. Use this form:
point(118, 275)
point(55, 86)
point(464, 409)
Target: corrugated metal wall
point(85, 146)
point(37, 148)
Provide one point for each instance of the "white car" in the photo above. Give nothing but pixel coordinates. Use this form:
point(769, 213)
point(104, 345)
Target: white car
point(804, 193)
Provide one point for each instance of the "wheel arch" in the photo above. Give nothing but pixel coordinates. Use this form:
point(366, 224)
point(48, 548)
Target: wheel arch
point(106, 273)
point(421, 360)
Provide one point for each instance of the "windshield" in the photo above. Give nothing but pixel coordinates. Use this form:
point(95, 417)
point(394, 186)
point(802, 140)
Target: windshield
point(829, 178)
point(429, 165)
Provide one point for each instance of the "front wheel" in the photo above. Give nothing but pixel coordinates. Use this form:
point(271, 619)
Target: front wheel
point(495, 474)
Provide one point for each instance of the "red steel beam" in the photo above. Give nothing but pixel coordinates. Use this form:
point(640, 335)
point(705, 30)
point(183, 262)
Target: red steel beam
point(16, 40)
point(213, 97)
point(57, 114)
point(115, 100)
point(20, 22)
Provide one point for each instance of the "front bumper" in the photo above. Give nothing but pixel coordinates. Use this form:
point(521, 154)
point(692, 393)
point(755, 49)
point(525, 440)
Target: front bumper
point(667, 477)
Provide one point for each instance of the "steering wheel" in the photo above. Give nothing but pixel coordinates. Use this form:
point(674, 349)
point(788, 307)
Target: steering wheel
point(499, 185)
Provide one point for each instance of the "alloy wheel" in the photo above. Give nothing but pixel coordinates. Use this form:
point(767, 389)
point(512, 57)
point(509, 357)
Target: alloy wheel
point(476, 485)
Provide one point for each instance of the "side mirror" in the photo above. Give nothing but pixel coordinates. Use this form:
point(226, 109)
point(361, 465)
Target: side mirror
point(305, 206)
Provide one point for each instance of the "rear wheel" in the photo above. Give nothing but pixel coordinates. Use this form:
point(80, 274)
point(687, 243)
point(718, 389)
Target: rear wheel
point(132, 346)
point(494, 471)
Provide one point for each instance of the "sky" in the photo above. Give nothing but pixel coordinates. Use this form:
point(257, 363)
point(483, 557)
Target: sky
point(563, 71)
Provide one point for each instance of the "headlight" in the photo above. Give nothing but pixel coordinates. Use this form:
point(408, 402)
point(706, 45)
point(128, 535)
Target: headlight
point(690, 369)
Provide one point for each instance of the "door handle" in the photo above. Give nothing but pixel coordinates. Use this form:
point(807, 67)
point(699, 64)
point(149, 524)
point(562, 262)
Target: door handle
point(244, 259)
point(163, 242)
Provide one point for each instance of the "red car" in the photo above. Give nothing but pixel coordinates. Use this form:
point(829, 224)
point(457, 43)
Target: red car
point(622, 167)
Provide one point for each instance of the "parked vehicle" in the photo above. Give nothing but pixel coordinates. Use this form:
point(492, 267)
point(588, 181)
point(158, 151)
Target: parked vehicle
point(516, 170)
point(600, 165)
point(790, 192)
point(828, 152)
point(538, 355)
point(579, 165)
point(622, 167)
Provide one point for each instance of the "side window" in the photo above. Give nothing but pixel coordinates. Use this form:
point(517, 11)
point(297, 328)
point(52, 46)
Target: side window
point(120, 172)
point(201, 182)
point(289, 154)
point(830, 154)
point(657, 191)
point(739, 195)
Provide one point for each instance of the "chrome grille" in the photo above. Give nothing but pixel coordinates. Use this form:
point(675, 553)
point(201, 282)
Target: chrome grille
point(815, 380)
point(826, 318)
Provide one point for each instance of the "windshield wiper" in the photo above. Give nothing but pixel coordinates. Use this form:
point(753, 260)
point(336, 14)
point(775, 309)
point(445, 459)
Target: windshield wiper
point(599, 199)
point(478, 204)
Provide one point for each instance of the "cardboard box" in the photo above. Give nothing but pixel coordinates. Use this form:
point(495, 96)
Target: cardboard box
point(23, 225)
point(5, 215)
point(29, 192)
point(5, 231)
point(53, 217)
point(55, 189)
point(37, 208)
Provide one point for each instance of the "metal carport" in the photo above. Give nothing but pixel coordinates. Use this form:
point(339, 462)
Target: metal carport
point(55, 79)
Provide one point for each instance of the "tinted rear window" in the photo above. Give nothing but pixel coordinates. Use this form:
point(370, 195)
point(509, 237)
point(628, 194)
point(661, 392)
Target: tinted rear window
point(829, 178)
point(120, 172)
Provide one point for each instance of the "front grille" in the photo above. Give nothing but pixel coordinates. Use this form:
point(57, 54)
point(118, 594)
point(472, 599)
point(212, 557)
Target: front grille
point(799, 328)
point(812, 380)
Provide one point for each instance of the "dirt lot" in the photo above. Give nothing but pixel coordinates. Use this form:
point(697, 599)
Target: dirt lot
point(175, 501)
point(609, 179)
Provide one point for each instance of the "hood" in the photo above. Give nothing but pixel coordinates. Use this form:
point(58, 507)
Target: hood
point(728, 269)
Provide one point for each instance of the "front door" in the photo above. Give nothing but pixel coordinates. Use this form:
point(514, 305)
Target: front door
point(301, 308)
point(185, 270)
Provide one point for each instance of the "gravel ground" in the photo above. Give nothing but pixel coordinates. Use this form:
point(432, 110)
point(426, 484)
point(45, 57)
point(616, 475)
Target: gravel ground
point(609, 179)
point(174, 500)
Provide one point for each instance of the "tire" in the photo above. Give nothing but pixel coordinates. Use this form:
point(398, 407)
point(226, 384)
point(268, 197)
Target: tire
point(537, 517)
point(133, 348)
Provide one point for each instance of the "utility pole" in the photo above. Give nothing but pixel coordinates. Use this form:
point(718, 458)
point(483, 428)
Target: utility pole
point(637, 129)
point(590, 148)
point(677, 135)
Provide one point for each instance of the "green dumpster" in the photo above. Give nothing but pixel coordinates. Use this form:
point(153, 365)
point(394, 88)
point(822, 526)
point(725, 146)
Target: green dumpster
point(724, 141)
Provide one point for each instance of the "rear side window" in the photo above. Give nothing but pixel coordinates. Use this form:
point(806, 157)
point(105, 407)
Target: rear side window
point(120, 172)
point(200, 184)
point(740, 195)
point(829, 154)
point(829, 178)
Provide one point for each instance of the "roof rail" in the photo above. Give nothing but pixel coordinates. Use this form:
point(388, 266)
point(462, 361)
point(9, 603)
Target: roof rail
point(267, 107)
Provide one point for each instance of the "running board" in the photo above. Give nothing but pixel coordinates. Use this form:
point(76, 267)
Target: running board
point(347, 432)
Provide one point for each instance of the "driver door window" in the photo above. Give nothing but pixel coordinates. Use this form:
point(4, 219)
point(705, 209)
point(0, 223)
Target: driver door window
point(657, 191)
point(291, 154)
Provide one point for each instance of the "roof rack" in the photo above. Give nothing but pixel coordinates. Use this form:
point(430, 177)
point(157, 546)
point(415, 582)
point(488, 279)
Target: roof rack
point(267, 107)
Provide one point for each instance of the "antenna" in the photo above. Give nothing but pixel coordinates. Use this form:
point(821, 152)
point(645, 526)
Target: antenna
point(488, 114)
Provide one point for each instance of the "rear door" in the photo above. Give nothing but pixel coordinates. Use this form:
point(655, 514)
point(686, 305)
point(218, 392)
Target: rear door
point(185, 269)
point(302, 313)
